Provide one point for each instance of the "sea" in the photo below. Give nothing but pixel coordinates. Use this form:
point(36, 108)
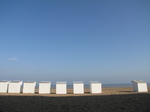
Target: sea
point(86, 86)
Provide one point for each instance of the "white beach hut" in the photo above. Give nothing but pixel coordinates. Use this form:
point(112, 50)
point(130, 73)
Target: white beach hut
point(78, 87)
point(14, 87)
point(61, 88)
point(95, 87)
point(139, 86)
point(29, 87)
point(44, 87)
point(4, 86)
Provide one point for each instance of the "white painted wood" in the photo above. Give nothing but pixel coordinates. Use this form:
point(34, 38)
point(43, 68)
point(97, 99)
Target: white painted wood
point(61, 88)
point(44, 87)
point(78, 87)
point(95, 87)
point(4, 86)
point(139, 86)
point(14, 87)
point(29, 87)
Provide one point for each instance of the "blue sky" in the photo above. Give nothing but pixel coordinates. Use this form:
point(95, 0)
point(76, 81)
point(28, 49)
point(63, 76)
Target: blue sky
point(73, 40)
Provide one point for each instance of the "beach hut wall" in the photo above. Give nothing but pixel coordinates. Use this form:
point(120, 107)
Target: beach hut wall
point(139, 86)
point(14, 87)
point(44, 87)
point(4, 86)
point(61, 88)
point(78, 87)
point(29, 87)
point(95, 87)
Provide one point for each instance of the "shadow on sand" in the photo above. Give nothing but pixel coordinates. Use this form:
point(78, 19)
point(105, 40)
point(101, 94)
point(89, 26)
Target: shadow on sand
point(102, 103)
point(127, 91)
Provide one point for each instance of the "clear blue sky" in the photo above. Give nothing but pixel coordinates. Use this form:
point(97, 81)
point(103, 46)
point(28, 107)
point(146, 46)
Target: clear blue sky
point(75, 40)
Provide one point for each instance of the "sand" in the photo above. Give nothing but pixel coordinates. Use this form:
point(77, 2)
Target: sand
point(111, 100)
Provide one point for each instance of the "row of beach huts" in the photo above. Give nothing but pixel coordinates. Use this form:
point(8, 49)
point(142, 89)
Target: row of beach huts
point(61, 87)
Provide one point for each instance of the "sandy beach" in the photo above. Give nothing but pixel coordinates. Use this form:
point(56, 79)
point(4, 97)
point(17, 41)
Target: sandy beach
point(111, 100)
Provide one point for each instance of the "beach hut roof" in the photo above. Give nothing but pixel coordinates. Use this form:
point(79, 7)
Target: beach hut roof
point(138, 81)
point(5, 81)
point(61, 82)
point(78, 82)
point(94, 81)
point(45, 82)
point(30, 82)
point(15, 81)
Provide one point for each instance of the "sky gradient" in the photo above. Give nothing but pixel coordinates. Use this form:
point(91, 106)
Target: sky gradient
point(75, 40)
